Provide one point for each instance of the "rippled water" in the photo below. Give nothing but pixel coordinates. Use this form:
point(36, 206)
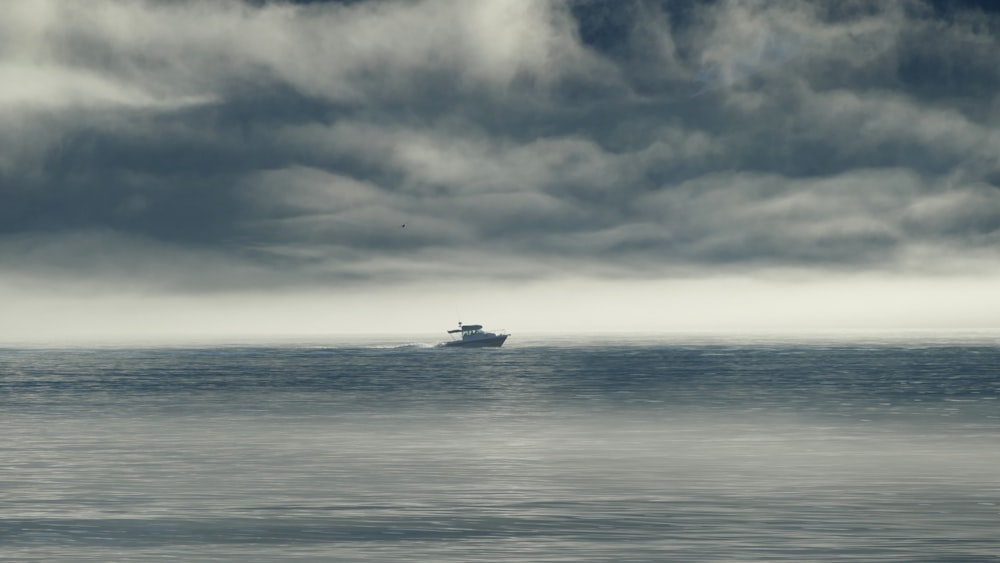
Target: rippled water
point(625, 452)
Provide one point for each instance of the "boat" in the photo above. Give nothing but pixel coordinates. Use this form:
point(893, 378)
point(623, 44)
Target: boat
point(473, 336)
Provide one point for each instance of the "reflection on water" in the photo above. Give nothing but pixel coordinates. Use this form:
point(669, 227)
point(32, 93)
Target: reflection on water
point(612, 453)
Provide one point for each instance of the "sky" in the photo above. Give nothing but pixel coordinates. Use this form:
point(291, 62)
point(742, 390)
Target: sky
point(229, 168)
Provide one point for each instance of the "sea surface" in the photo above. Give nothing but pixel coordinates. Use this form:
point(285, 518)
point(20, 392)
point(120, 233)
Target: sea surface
point(661, 449)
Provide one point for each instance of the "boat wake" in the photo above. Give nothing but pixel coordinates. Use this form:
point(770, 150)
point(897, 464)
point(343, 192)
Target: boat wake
point(407, 346)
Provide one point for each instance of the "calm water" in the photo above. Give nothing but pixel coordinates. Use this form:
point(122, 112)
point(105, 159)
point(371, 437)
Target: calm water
point(697, 451)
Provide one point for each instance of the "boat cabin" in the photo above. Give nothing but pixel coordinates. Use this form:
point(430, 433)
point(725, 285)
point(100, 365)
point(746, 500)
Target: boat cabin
point(468, 331)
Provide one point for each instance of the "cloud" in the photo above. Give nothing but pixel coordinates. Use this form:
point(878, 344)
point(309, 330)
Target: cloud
point(200, 146)
point(749, 42)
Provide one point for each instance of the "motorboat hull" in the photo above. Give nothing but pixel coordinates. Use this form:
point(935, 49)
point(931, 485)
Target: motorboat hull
point(488, 342)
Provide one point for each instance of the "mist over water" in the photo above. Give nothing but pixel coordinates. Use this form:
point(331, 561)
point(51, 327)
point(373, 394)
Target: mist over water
point(589, 452)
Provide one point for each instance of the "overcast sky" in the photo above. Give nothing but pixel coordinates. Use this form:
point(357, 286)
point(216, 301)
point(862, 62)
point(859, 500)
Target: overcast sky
point(244, 167)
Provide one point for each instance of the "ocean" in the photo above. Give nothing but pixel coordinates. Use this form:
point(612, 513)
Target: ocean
point(659, 449)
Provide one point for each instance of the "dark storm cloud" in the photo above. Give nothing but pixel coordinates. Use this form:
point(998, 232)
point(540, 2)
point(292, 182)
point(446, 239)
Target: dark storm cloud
point(215, 144)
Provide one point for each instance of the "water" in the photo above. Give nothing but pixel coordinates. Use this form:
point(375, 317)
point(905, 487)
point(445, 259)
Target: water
point(654, 451)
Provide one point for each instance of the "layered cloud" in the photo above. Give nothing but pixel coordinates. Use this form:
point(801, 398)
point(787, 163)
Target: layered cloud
point(217, 145)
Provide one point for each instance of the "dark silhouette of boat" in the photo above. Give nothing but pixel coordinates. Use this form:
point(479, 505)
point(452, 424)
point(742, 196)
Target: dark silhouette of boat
point(473, 336)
